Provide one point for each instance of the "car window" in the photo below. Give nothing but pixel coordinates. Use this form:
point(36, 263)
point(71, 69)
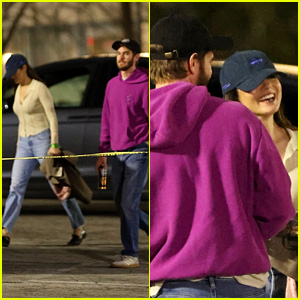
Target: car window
point(69, 93)
point(9, 93)
point(7, 98)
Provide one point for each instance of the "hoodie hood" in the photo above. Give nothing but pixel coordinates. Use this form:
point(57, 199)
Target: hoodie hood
point(175, 110)
point(139, 75)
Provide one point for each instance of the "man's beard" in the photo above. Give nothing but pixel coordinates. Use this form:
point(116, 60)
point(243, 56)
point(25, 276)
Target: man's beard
point(203, 78)
point(126, 66)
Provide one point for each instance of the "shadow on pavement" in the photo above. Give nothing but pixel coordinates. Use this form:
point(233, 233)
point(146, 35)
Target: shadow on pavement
point(53, 260)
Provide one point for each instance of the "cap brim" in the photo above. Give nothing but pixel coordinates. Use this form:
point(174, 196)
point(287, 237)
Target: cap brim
point(253, 82)
point(10, 73)
point(221, 43)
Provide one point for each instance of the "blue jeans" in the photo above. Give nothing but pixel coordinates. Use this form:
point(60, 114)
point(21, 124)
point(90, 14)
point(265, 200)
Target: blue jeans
point(210, 287)
point(129, 176)
point(37, 145)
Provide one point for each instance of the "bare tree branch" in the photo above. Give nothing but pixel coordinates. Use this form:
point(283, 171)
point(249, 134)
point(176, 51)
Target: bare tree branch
point(6, 7)
point(108, 11)
point(14, 25)
point(31, 15)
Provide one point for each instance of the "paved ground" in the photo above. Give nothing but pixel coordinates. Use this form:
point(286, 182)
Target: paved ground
point(39, 265)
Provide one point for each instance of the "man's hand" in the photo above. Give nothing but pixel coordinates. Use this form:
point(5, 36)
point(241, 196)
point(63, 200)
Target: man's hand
point(101, 162)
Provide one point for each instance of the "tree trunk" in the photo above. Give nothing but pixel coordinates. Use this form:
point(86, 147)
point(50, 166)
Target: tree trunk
point(126, 21)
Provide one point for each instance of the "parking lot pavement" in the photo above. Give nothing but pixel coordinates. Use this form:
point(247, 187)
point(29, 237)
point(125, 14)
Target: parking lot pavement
point(38, 264)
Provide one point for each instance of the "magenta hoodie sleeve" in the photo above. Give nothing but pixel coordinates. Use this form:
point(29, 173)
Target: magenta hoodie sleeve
point(146, 102)
point(273, 207)
point(105, 127)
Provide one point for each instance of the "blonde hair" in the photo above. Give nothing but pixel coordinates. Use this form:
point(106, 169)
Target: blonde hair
point(163, 71)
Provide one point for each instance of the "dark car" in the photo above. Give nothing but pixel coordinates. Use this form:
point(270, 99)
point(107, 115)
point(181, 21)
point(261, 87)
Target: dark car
point(78, 88)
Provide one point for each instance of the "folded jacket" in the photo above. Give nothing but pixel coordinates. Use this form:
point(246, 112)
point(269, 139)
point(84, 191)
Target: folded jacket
point(62, 173)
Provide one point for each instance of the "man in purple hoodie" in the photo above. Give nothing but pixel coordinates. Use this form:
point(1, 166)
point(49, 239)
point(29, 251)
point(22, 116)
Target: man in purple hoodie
point(125, 128)
point(218, 188)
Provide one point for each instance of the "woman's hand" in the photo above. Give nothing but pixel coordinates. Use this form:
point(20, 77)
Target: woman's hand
point(54, 151)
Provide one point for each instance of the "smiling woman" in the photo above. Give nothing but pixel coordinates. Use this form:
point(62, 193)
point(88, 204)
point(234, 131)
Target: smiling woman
point(261, 92)
point(265, 99)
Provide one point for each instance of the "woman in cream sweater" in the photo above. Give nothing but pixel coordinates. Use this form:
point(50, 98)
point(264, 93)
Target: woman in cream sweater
point(37, 136)
point(251, 78)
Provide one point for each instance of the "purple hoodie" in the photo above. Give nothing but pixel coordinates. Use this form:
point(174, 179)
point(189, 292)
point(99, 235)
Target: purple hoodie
point(125, 114)
point(218, 186)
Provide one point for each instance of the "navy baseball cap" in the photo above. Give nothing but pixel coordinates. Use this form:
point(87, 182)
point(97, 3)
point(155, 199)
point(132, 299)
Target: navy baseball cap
point(130, 44)
point(246, 70)
point(179, 36)
point(13, 64)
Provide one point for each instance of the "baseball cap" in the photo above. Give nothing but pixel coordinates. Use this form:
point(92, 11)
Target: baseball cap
point(130, 44)
point(179, 36)
point(246, 70)
point(13, 64)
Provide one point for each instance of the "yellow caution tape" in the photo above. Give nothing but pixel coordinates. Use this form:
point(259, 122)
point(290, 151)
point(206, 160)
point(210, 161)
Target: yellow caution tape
point(80, 155)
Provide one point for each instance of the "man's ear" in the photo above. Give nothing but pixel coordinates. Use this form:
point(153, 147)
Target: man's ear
point(193, 63)
point(136, 57)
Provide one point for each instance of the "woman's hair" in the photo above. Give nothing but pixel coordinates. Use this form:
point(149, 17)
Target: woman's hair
point(279, 117)
point(163, 71)
point(33, 75)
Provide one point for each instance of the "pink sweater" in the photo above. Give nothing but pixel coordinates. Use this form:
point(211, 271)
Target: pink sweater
point(218, 188)
point(125, 112)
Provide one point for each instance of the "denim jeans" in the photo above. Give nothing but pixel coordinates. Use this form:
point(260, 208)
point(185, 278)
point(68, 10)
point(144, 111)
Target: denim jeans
point(210, 287)
point(37, 145)
point(129, 176)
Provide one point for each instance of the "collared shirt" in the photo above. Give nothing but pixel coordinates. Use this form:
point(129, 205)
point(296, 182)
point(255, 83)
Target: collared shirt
point(282, 259)
point(37, 112)
point(290, 162)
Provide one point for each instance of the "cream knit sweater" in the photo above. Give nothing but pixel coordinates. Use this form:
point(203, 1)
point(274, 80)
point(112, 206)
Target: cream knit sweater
point(37, 112)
